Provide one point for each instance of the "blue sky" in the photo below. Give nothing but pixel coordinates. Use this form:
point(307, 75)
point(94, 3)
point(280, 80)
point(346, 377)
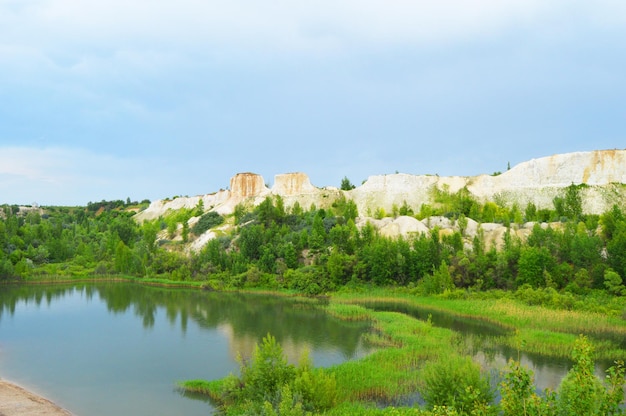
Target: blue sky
point(151, 98)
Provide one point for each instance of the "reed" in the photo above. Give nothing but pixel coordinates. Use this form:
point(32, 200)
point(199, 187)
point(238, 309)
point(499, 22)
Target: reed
point(543, 330)
point(393, 371)
point(212, 388)
point(348, 312)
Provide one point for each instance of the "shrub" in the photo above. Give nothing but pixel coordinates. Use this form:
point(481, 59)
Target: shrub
point(207, 221)
point(580, 392)
point(518, 394)
point(456, 382)
point(269, 385)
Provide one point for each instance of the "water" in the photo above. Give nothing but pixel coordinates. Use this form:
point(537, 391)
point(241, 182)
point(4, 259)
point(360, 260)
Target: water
point(119, 349)
point(479, 339)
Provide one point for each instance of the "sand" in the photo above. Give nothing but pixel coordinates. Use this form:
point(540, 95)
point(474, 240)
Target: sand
point(15, 401)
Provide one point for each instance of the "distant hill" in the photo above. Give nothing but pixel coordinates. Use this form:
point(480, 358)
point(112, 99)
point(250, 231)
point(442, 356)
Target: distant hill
point(602, 174)
point(599, 177)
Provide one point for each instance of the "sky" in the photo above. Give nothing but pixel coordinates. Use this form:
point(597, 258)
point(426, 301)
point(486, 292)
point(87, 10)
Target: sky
point(149, 99)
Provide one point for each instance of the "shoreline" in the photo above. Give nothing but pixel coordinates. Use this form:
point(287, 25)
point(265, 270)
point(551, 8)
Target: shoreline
point(17, 401)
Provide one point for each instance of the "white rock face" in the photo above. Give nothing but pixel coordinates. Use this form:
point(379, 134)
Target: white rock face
point(394, 227)
point(288, 184)
point(159, 208)
point(536, 181)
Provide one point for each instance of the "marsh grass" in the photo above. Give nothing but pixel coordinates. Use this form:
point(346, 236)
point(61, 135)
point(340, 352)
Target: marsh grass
point(533, 329)
point(393, 371)
point(348, 312)
point(409, 347)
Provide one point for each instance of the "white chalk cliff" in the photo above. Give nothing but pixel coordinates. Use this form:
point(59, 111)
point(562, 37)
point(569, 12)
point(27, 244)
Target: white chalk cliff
point(538, 181)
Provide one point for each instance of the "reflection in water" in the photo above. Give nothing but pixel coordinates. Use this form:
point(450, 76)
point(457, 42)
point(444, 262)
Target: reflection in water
point(119, 348)
point(244, 319)
point(240, 319)
point(479, 339)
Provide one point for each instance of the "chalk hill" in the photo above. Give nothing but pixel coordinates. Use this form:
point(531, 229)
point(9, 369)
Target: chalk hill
point(537, 181)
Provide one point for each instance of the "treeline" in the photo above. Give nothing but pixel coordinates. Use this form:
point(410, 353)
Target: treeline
point(317, 250)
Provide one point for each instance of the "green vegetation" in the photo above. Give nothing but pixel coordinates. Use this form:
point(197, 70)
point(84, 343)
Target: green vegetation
point(346, 185)
point(557, 282)
point(207, 221)
point(414, 356)
point(269, 385)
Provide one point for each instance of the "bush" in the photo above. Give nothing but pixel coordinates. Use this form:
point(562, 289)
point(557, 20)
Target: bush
point(518, 394)
point(456, 382)
point(270, 385)
point(308, 280)
point(207, 221)
point(580, 392)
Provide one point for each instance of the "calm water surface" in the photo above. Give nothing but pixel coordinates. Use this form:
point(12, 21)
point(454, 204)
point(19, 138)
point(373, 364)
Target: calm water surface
point(119, 349)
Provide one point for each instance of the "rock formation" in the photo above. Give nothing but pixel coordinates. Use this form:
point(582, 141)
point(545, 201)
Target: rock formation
point(246, 185)
point(289, 184)
point(538, 181)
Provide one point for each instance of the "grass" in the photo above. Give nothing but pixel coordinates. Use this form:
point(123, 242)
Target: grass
point(385, 374)
point(534, 329)
point(348, 312)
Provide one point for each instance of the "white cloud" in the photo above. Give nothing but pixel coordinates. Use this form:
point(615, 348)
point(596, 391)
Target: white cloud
point(280, 24)
point(58, 176)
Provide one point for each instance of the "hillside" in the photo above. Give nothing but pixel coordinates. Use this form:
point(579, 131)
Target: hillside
point(601, 173)
point(537, 181)
point(550, 222)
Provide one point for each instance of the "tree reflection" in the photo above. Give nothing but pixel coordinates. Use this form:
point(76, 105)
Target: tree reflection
point(243, 318)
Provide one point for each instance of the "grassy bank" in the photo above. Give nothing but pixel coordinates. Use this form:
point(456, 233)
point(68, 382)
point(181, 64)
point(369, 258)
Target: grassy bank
point(533, 328)
point(536, 329)
point(410, 352)
point(393, 371)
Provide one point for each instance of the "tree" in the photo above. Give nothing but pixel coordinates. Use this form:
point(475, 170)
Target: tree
point(250, 241)
point(346, 185)
point(616, 249)
point(613, 283)
point(533, 262)
point(318, 232)
point(573, 203)
point(199, 210)
point(207, 221)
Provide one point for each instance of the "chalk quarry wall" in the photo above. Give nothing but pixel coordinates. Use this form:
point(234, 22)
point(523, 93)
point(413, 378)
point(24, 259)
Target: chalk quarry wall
point(537, 181)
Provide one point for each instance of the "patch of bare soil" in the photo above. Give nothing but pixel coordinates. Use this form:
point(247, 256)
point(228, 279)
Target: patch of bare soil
point(16, 401)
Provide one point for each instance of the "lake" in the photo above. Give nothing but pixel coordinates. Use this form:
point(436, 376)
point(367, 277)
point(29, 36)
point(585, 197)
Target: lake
point(119, 348)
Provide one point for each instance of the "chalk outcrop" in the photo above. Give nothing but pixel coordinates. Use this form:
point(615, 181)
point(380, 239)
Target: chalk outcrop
point(289, 184)
point(247, 185)
point(536, 181)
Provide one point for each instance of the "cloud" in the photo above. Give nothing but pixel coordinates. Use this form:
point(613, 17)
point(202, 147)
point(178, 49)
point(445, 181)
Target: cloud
point(281, 25)
point(62, 176)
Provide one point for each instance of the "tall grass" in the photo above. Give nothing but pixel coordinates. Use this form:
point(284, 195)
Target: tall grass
point(348, 312)
point(535, 329)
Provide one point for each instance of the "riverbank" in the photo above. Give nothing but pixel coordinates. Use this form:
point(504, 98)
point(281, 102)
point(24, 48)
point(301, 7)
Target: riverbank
point(16, 401)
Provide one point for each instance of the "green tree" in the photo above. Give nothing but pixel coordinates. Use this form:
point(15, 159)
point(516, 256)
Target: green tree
point(206, 222)
point(613, 283)
point(533, 263)
point(580, 392)
point(318, 232)
point(346, 185)
point(616, 249)
point(251, 240)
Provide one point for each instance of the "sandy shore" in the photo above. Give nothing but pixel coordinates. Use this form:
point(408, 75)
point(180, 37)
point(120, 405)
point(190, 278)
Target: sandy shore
point(16, 401)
